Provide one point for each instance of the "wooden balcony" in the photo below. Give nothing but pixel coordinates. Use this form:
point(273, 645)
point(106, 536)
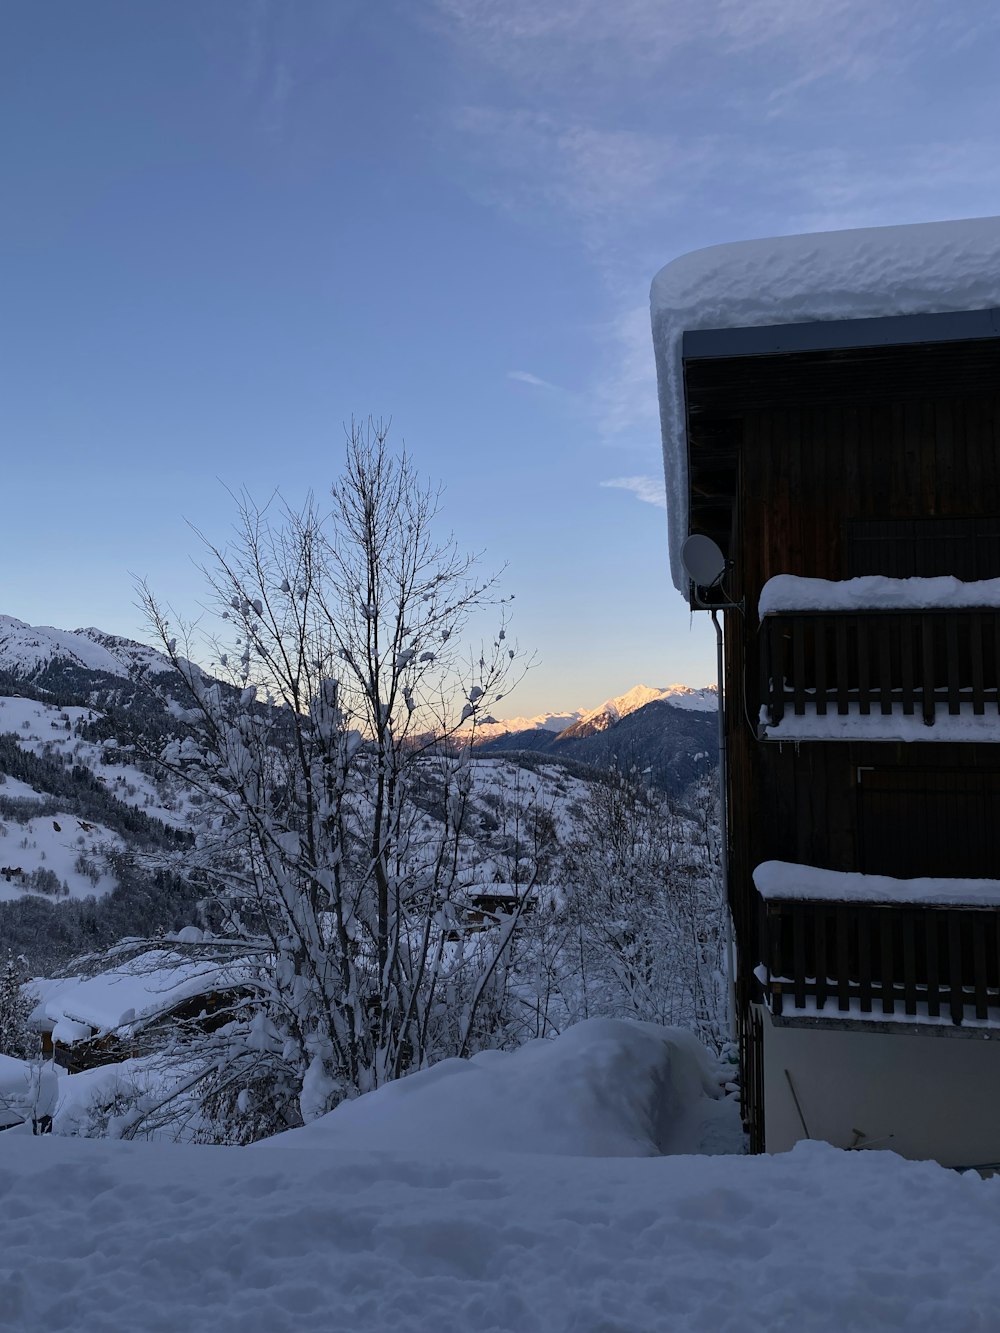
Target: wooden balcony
point(921, 664)
point(857, 959)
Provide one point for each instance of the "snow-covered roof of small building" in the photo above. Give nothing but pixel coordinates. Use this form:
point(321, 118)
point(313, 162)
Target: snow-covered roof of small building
point(874, 272)
point(135, 991)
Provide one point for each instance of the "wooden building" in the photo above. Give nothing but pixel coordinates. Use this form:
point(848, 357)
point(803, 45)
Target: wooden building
point(838, 437)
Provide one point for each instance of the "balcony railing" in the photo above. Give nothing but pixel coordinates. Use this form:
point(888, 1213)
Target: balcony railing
point(920, 664)
point(855, 959)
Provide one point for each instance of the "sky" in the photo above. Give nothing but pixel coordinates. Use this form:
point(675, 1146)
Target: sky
point(225, 229)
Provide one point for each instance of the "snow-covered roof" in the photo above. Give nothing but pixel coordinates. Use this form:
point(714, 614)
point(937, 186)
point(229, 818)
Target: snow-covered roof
point(135, 991)
point(874, 272)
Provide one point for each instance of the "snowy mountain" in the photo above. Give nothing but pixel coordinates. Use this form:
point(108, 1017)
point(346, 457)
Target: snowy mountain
point(613, 711)
point(551, 723)
point(585, 721)
point(668, 734)
point(29, 650)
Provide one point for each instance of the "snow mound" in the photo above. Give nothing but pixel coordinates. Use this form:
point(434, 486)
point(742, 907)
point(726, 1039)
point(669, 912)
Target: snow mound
point(925, 268)
point(117, 1237)
point(603, 1088)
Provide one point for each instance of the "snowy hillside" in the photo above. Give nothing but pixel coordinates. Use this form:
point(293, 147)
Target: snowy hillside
point(363, 1223)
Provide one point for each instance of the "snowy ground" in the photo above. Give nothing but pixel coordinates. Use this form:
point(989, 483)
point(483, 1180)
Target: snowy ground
point(373, 1223)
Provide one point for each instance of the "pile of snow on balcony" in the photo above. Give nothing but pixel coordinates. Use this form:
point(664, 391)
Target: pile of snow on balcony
point(370, 1229)
point(926, 268)
point(786, 879)
point(876, 592)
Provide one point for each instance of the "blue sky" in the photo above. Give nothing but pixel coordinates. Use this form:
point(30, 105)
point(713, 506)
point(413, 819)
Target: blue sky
point(225, 228)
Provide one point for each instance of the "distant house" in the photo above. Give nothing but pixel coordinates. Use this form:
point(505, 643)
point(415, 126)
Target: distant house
point(831, 418)
point(116, 1014)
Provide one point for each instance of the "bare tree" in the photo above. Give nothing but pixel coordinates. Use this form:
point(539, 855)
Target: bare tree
point(336, 635)
point(644, 888)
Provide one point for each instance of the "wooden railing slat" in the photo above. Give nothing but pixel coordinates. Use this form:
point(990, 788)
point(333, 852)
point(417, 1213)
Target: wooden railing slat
point(819, 954)
point(798, 666)
point(927, 668)
point(886, 926)
point(979, 967)
point(864, 626)
point(843, 979)
point(776, 638)
point(884, 627)
point(952, 670)
point(908, 924)
point(819, 649)
point(955, 997)
point(906, 662)
point(976, 654)
point(865, 961)
point(799, 954)
point(931, 924)
point(840, 635)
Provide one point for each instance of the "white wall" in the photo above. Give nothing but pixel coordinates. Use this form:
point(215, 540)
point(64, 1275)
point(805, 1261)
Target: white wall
point(923, 1096)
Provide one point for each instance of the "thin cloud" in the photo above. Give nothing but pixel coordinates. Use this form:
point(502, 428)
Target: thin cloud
point(526, 377)
point(648, 489)
point(562, 40)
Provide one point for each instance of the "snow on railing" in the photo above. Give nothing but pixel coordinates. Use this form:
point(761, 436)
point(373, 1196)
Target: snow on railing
point(875, 946)
point(889, 659)
point(875, 592)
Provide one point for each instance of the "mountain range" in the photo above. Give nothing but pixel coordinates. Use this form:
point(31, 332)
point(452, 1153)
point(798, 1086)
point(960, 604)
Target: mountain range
point(666, 733)
point(93, 837)
point(584, 722)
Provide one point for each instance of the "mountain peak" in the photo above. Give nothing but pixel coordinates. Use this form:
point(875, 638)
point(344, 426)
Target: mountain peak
point(613, 710)
point(26, 650)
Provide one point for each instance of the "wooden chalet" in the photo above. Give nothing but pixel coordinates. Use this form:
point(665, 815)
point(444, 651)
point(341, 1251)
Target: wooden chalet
point(838, 438)
point(136, 1007)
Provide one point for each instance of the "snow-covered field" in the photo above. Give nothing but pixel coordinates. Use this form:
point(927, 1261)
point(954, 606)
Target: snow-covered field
point(39, 727)
point(378, 1222)
point(56, 841)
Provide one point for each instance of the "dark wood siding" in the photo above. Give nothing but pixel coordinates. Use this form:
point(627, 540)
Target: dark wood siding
point(814, 478)
point(832, 465)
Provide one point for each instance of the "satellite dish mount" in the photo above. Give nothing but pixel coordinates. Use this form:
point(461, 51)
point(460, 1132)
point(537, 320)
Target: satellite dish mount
point(705, 566)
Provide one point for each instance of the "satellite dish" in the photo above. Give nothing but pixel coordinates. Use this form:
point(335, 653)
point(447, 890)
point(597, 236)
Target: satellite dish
point(703, 562)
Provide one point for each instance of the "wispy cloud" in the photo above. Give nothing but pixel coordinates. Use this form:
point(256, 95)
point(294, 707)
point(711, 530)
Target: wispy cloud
point(526, 377)
point(267, 74)
point(648, 489)
point(647, 127)
point(589, 43)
